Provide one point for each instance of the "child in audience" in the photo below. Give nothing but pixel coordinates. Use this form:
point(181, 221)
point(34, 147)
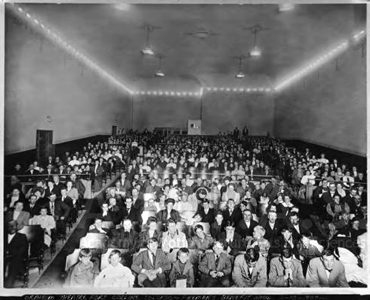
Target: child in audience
point(115, 275)
point(182, 269)
point(83, 273)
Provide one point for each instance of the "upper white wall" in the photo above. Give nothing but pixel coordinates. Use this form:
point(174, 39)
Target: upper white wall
point(41, 81)
point(328, 108)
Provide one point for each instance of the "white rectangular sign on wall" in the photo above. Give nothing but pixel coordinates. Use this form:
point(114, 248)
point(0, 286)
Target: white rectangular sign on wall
point(194, 127)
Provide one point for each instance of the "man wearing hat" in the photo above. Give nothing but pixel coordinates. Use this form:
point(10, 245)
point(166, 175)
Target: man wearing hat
point(168, 212)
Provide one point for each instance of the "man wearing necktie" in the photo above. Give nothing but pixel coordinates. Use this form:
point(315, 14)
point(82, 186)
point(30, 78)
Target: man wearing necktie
point(215, 267)
point(60, 211)
point(232, 215)
point(151, 265)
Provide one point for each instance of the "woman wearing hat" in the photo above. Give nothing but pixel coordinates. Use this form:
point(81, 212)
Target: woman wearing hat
point(168, 212)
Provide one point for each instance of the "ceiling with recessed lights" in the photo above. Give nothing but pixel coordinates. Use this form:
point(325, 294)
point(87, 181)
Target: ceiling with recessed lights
point(200, 44)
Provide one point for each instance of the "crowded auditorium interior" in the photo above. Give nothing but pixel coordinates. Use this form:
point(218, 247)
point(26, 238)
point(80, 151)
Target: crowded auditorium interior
point(184, 146)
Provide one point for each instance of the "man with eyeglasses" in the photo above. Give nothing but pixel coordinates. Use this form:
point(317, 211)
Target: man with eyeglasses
point(326, 271)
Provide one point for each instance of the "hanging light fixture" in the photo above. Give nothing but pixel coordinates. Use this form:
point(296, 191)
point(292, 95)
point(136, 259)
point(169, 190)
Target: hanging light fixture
point(147, 49)
point(256, 51)
point(159, 73)
point(240, 73)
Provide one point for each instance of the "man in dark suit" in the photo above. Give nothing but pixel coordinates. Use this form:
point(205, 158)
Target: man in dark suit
point(320, 190)
point(126, 238)
point(207, 214)
point(245, 227)
point(215, 267)
point(295, 224)
point(31, 172)
point(65, 198)
point(325, 199)
point(272, 189)
point(151, 265)
point(168, 213)
point(48, 172)
point(16, 252)
point(328, 197)
point(57, 185)
point(350, 200)
point(232, 215)
point(97, 178)
point(232, 241)
point(132, 213)
point(125, 183)
point(77, 183)
point(137, 201)
point(60, 211)
point(32, 207)
point(272, 226)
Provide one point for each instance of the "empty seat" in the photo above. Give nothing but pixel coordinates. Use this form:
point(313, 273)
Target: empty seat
point(72, 259)
point(107, 224)
point(146, 214)
point(95, 241)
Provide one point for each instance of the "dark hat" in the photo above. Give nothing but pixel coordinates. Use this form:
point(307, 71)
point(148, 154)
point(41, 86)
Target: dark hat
point(170, 200)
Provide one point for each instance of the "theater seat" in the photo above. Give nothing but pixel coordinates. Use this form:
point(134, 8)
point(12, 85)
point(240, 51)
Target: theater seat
point(107, 224)
point(146, 214)
point(181, 226)
point(98, 242)
point(35, 238)
point(188, 214)
point(72, 259)
point(172, 256)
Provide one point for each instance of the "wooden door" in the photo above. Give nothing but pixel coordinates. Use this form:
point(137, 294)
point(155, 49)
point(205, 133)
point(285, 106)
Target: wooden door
point(44, 146)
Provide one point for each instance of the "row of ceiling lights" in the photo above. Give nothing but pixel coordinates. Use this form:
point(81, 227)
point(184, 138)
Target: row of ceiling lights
point(278, 87)
point(210, 89)
point(72, 50)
